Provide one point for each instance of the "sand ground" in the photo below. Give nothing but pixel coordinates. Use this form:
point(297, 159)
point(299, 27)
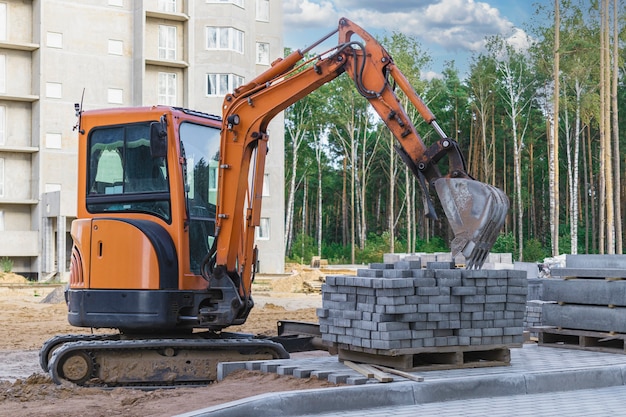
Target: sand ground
point(27, 322)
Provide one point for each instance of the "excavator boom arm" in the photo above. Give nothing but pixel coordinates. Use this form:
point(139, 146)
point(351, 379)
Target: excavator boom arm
point(248, 111)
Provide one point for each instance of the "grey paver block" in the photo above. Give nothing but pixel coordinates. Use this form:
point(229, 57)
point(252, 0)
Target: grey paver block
point(286, 369)
point(586, 291)
point(302, 372)
point(226, 368)
point(595, 261)
point(583, 317)
point(440, 265)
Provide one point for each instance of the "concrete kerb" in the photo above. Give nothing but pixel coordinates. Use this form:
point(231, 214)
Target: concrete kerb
point(297, 403)
point(326, 400)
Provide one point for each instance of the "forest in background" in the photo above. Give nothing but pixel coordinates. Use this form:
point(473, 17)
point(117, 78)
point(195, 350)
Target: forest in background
point(349, 198)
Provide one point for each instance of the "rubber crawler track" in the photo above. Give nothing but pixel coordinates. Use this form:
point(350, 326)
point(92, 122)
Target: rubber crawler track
point(93, 348)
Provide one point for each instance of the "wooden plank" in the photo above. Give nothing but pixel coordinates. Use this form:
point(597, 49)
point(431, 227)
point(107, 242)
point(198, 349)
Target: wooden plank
point(380, 376)
point(609, 342)
point(403, 374)
point(365, 371)
point(463, 357)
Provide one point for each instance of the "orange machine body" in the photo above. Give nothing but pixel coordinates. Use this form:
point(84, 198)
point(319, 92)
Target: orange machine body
point(145, 221)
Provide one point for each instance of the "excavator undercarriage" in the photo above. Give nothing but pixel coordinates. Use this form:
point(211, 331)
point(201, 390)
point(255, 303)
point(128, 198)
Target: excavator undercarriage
point(140, 361)
point(143, 361)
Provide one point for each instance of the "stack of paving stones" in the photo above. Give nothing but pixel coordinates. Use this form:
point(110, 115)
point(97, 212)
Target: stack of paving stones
point(400, 307)
point(534, 316)
point(589, 295)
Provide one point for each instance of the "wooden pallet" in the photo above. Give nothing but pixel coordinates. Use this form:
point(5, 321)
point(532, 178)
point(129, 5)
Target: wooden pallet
point(609, 342)
point(435, 358)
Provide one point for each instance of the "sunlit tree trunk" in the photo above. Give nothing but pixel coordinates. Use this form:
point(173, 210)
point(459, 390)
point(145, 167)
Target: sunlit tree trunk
point(615, 131)
point(297, 133)
point(392, 193)
point(318, 159)
point(554, 162)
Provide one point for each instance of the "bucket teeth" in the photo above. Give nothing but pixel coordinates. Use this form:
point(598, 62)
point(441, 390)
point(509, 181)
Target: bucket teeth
point(476, 213)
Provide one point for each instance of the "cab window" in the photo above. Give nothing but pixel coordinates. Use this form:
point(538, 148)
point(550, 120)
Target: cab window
point(123, 175)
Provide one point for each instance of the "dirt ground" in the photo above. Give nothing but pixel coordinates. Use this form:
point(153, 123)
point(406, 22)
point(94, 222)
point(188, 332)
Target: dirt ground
point(27, 322)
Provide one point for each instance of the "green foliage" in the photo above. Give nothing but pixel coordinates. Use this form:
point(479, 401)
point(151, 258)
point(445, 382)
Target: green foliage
point(506, 244)
point(336, 253)
point(375, 247)
point(303, 249)
point(534, 251)
point(6, 264)
point(434, 244)
point(471, 108)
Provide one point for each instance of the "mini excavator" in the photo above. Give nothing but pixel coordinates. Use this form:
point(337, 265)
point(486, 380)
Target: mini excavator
point(168, 202)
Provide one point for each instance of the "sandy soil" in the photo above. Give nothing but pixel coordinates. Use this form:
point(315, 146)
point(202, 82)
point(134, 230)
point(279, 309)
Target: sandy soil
point(27, 322)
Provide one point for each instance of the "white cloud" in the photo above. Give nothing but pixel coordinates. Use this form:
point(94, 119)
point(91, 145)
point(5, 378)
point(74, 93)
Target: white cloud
point(455, 25)
point(450, 30)
point(429, 75)
point(519, 40)
point(299, 14)
point(383, 6)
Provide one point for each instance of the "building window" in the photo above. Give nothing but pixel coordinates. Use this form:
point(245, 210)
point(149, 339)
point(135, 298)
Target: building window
point(167, 89)
point(54, 90)
point(116, 47)
point(54, 40)
point(168, 6)
point(115, 96)
point(235, 2)
point(3, 21)
point(123, 175)
point(263, 53)
point(263, 10)
point(1, 177)
point(3, 125)
point(224, 38)
point(53, 140)
point(167, 42)
point(263, 231)
point(1, 221)
point(222, 84)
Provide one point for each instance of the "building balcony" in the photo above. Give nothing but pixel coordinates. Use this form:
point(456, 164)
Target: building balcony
point(19, 46)
point(19, 149)
point(178, 17)
point(26, 98)
point(23, 202)
point(166, 63)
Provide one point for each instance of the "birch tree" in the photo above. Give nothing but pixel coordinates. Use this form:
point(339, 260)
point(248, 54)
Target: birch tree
point(481, 81)
point(296, 126)
point(517, 86)
point(579, 56)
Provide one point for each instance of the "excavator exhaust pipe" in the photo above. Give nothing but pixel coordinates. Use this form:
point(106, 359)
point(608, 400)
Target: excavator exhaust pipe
point(476, 212)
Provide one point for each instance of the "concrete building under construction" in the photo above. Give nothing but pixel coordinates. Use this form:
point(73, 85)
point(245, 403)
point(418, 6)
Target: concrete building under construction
point(115, 53)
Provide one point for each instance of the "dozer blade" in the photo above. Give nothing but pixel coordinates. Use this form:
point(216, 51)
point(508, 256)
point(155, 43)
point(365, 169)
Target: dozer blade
point(476, 213)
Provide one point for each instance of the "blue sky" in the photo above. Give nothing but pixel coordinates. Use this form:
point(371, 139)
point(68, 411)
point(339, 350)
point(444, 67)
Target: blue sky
point(446, 29)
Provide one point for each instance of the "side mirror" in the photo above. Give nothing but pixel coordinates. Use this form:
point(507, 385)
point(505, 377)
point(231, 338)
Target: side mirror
point(158, 139)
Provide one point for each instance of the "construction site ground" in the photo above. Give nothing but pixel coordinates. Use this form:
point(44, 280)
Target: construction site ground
point(540, 380)
point(27, 322)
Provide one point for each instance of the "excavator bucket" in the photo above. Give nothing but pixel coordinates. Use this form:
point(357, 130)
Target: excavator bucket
point(476, 213)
